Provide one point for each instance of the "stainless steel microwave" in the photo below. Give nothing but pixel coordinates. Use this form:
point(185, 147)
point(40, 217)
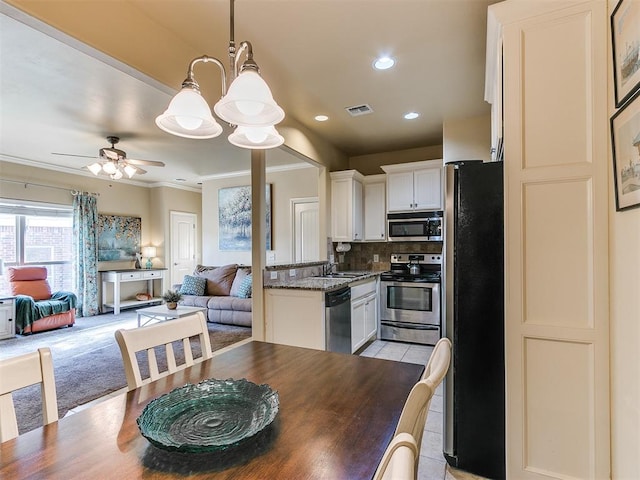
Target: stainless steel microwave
point(414, 226)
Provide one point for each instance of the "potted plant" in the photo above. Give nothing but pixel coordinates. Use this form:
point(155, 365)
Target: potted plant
point(172, 297)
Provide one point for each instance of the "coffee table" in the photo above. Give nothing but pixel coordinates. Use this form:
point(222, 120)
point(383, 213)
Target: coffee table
point(160, 313)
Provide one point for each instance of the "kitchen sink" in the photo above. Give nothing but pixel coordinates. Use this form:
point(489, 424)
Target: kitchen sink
point(339, 275)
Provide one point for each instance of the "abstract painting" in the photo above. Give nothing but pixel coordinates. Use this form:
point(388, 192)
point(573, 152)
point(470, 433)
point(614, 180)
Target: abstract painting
point(234, 218)
point(118, 237)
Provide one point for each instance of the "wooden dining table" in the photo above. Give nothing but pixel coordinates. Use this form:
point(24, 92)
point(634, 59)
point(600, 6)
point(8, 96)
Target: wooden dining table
point(337, 414)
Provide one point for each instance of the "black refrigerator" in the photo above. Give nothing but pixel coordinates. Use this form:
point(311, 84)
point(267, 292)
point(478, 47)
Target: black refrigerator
point(473, 318)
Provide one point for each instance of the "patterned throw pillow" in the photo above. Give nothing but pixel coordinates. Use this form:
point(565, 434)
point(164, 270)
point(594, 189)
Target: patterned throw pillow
point(193, 285)
point(244, 291)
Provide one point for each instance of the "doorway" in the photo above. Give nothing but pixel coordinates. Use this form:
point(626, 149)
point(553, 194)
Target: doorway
point(305, 229)
point(183, 245)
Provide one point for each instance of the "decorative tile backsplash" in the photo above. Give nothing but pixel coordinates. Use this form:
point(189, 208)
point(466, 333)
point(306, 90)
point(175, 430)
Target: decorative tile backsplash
point(361, 255)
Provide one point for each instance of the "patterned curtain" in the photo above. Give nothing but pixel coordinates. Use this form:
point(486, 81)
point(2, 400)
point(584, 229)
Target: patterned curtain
point(85, 234)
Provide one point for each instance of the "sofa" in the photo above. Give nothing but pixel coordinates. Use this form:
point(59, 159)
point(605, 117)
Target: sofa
point(225, 291)
point(37, 308)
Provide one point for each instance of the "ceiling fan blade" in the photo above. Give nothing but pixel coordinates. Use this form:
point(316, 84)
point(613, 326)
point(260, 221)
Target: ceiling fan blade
point(139, 170)
point(73, 155)
point(151, 163)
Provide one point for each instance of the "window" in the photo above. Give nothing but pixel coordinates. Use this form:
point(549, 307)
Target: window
point(37, 234)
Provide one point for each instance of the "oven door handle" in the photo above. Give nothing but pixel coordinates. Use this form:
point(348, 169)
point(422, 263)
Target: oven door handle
point(414, 326)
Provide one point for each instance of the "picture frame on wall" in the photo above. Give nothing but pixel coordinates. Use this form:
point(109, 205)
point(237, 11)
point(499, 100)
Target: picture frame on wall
point(625, 143)
point(625, 33)
point(234, 218)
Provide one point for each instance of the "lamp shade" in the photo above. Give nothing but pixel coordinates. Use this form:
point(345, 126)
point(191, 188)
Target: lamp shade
point(110, 168)
point(189, 116)
point(95, 168)
point(130, 170)
point(149, 252)
point(259, 138)
point(249, 103)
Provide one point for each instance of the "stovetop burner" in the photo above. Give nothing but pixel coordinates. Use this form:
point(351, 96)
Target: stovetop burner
point(429, 267)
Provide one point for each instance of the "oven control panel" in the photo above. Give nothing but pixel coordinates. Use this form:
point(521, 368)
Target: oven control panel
point(419, 258)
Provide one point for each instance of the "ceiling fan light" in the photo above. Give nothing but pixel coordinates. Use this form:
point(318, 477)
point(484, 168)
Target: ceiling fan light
point(95, 168)
point(117, 175)
point(110, 168)
point(189, 116)
point(130, 170)
point(249, 102)
point(258, 138)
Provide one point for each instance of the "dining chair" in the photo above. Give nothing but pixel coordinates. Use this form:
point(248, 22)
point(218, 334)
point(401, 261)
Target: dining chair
point(414, 414)
point(162, 334)
point(399, 459)
point(22, 371)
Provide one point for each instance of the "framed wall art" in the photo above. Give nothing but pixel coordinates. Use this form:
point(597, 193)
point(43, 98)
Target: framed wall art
point(625, 142)
point(118, 237)
point(234, 218)
point(625, 33)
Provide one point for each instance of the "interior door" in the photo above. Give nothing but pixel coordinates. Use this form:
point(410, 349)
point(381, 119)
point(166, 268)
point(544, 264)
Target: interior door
point(305, 229)
point(183, 245)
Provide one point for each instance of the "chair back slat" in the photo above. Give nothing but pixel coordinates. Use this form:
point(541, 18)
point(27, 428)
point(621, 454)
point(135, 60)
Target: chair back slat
point(23, 371)
point(162, 335)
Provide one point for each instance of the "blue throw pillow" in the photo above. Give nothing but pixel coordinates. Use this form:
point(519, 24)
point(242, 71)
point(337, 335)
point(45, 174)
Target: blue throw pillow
point(193, 285)
point(244, 290)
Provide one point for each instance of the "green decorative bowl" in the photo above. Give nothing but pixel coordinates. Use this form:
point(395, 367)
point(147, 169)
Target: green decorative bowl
point(210, 416)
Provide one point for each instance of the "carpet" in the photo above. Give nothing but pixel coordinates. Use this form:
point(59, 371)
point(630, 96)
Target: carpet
point(87, 361)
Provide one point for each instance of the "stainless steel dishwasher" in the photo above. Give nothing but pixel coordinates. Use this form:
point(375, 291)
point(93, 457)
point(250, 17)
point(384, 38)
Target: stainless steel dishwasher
point(338, 320)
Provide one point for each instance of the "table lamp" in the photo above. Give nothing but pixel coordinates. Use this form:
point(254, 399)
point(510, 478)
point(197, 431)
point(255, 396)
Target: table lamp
point(149, 252)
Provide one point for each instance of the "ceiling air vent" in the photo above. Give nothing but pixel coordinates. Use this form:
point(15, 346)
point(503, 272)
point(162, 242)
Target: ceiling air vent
point(358, 110)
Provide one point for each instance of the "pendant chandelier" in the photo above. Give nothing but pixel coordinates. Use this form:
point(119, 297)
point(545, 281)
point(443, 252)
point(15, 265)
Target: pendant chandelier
point(247, 105)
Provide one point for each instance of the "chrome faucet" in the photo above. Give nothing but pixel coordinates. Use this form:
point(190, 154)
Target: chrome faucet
point(327, 268)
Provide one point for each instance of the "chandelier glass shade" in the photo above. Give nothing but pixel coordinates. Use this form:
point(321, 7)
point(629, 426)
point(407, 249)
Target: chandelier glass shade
point(258, 138)
point(114, 169)
point(247, 103)
point(189, 116)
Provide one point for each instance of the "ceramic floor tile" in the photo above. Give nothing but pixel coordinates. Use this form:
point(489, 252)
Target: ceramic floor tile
point(432, 446)
point(435, 421)
point(431, 469)
point(437, 403)
point(416, 356)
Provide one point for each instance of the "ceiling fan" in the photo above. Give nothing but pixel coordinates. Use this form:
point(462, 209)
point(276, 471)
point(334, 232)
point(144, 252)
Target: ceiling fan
point(114, 162)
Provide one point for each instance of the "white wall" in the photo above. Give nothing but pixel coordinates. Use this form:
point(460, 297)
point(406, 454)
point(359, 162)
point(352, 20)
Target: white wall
point(467, 139)
point(284, 186)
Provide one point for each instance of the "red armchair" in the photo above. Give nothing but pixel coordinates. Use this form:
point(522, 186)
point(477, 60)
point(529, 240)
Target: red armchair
point(37, 309)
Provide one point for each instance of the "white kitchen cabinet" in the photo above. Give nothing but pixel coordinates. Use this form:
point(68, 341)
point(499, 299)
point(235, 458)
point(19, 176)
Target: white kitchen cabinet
point(414, 186)
point(346, 206)
point(364, 312)
point(295, 317)
point(375, 207)
point(7, 317)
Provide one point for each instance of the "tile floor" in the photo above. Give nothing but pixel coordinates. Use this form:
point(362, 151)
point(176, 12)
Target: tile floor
point(432, 465)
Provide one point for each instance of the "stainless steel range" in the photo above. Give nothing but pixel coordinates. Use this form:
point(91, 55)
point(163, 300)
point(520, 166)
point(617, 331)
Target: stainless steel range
point(410, 298)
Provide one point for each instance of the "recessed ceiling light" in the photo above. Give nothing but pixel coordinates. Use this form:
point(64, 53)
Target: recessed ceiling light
point(383, 63)
point(411, 115)
point(321, 118)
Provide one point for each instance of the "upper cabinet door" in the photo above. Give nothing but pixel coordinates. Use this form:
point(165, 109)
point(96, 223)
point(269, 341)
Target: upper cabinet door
point(427, 189)
point(400, 191)
point(414, 186)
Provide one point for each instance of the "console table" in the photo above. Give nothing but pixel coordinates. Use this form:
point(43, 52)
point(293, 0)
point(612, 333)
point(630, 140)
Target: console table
point(7, 317)
point(117, 277)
